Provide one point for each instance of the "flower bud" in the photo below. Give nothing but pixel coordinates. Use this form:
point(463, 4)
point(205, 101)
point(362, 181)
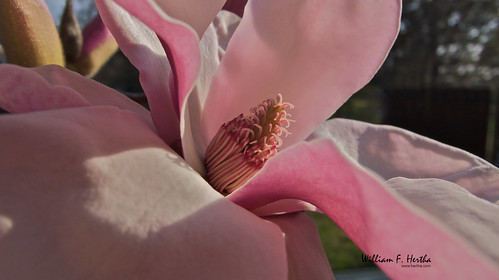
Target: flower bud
point(28, 33)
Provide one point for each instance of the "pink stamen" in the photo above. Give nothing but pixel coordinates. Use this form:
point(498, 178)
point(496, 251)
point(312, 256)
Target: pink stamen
point(241, 147)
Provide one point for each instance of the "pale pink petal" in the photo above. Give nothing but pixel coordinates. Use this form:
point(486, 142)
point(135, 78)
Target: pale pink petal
point(22, 90)
point(375, 218)
point(473, 217)
point(145, 51)
point(176, 23)
point(93, 92)
point(212, 46)
point(190, 124)
point(306, 257)
point(315, 53)
point(392, 152)
point(51, 87)
point(94, 193)
point(196, 13)
point(225, 25)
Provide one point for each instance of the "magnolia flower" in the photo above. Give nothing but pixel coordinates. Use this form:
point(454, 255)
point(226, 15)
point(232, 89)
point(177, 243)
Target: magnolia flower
point(92, 188)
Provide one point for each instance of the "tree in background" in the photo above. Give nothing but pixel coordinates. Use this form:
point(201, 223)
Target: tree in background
point(445, 43)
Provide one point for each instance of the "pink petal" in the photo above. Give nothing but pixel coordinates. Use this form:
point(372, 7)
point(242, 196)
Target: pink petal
point(145, 51)
point(306, 257)
point(212, 46)
point(470, 216)
point(177, 23)
point(94, 193)
point(196, 13)
point(377, 220)
point(94, 35)
point(92, 91)
point(315, 53)
point(391, 152)
point(22, 90)
point(53, 87)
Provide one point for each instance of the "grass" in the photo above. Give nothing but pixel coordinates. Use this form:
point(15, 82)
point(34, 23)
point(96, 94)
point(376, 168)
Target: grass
point(340, 250)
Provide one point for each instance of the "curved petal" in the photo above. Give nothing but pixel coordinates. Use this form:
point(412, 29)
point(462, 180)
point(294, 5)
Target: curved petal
point(212, 45)
point(377, 220)
point(315, 53)
point(190, 124)
point(284, 206)
point(145, 51)
point(93, 92)
point(94, 193)
point(306, 257)
point(51, 87)
point(472, 217)
point(390, 152)
point(225, 25)
point(22, 90)
point(196, 13)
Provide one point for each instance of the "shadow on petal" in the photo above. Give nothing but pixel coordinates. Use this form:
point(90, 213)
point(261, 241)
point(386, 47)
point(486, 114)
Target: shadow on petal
point(93, 192)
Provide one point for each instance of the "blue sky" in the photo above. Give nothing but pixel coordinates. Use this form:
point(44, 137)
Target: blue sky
point(57, 6)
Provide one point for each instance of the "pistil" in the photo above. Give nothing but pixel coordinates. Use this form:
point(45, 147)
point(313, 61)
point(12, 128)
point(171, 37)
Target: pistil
point(241, 147)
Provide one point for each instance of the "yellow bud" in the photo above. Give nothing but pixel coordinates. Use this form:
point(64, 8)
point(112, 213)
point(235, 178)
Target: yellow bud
point(28, 33)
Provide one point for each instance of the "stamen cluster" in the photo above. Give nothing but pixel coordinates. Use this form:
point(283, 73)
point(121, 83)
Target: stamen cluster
point(242, 146)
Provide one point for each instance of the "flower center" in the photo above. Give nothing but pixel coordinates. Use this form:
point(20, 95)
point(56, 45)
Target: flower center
point(242, 146)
